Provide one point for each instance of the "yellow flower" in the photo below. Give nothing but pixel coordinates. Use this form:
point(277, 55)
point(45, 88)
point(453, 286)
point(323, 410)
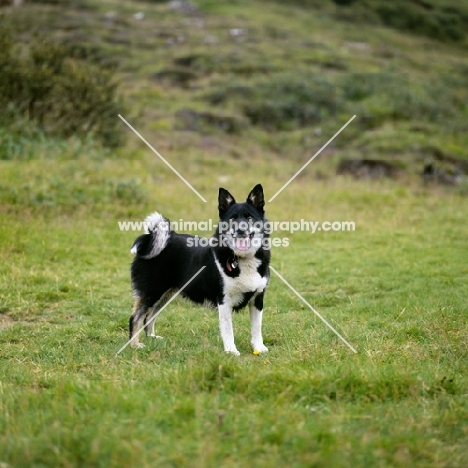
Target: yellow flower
point(256, 352)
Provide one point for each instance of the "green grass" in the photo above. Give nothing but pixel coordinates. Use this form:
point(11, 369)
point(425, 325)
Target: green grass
point(395, 288)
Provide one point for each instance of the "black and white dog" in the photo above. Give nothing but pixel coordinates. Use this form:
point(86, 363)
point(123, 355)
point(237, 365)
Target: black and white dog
point(236, 260)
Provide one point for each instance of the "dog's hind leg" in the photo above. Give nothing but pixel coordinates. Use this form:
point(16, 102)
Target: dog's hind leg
point(136, 322)
point(150, 319)
point(256, 315)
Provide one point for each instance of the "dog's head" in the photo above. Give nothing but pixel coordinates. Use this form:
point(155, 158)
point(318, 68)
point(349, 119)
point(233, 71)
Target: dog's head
point(242, 225)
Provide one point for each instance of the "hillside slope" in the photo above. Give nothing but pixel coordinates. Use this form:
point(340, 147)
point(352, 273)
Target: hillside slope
point(279, 78)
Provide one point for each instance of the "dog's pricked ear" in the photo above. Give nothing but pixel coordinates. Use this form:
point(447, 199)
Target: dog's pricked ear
point(225, 200)
point(256, 197)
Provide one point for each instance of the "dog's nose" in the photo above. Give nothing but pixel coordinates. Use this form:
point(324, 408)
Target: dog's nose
point(242, 229)
point(242, 233)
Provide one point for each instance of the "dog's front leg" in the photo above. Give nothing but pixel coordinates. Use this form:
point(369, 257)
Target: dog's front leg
point(225, 326)
point(256, 315)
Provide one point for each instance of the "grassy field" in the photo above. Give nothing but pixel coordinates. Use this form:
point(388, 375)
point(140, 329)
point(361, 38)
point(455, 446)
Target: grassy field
point(395, 287)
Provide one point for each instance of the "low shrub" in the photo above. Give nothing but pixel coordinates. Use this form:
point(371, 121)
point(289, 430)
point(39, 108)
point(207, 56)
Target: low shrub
point(438, 24)
point(61, 94)
point(282, 102)
point(445, 21)
point(285, 102)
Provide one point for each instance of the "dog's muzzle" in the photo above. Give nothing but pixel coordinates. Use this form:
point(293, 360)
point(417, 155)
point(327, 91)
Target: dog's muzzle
point(242, 242)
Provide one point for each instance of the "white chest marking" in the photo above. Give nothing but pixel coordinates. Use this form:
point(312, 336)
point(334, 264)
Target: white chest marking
point(248, 280)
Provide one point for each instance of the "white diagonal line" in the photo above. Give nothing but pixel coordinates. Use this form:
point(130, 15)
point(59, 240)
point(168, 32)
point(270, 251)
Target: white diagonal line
point(162, 159)
point(314, 311)
point(312, 158)
point(162, 308)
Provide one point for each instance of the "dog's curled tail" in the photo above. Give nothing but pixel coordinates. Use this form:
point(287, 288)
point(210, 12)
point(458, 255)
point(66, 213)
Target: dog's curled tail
point(151, 244)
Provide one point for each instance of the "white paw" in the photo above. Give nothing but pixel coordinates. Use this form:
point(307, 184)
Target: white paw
point(137, 345)
point(259, 348)
point(232, 351)
point(156, 337)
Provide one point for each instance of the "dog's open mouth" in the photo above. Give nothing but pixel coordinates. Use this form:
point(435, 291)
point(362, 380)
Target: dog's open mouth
point(243, 243)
